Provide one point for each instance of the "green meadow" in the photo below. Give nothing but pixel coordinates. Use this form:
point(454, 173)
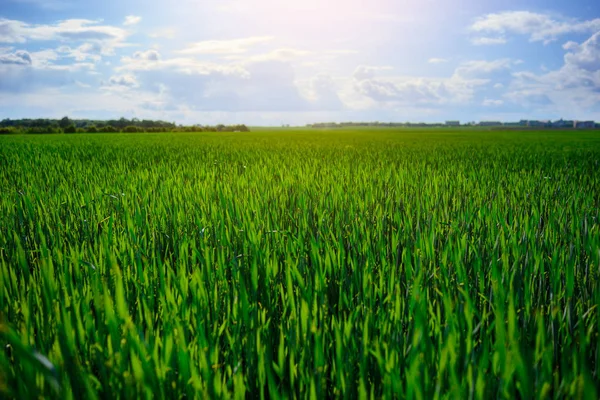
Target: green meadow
point(299, 263)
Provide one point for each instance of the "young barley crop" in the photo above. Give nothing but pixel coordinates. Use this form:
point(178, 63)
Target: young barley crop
point(349, 263)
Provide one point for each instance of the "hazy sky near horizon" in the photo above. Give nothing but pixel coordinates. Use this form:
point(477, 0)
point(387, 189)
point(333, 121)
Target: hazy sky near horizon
point(268, 62)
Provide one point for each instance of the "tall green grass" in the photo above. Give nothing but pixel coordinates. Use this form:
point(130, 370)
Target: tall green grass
point(293, 264)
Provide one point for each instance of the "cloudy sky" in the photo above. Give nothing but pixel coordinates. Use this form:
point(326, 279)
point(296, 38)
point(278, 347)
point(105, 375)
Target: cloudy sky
point(268, 62)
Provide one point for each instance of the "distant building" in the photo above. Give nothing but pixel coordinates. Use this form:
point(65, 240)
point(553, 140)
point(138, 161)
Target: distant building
point(539, 124)
point(452, 123)
point(490, 123)
point(584, 124)
point(563, 124)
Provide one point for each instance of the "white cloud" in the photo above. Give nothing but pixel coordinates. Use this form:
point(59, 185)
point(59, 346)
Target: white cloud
point(437, 61)
point(38, 59)
point(464, 86)
point(131, 20)
point(322, 91)
point(123, 80)
point(86, 51)
point(151, 60)
point(83, 85)
point(149, 55)
point(166, 33)
point(284, 54)
point(368, 71)
point(396, 92)
point(12, 31)
point(94, 39)
point(315, 60)
point(257, 85)
point(572, 90)
point(90, 48)
point(492, 103)
point(44, 59)
point(585, 56)
point(19, 57)
point(75, 67)
point(485, 41)
point(23, 71)
point(481, 68)
point(539, 27)
point(415, 91)
point(254, 74)
point(530, 98)
point(225, 46)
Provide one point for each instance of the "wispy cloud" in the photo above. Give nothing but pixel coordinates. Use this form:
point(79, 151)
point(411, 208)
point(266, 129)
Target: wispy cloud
point(151, 60)
point(363, 72)
point(226, 46)
point(492, 103)
point(485, 41)
point(482, 68)
point(283, 54)
point(437, 61)
point(539, 27)
point(132, 20)
point(166, 33)
point(87, 51)
point(13, 31)
point(123, 80)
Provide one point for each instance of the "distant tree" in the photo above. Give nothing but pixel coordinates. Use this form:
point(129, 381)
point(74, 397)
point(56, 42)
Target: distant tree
point(131, 129)
point(70, 129)
point(242, 128)
point(122, 123)
point(109, 129)
point(6, 122)
point(64, 123)
point(92, 129)
point(7, 130)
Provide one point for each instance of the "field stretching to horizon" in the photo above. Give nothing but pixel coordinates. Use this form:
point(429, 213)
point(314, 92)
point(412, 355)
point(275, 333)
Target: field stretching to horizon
point(297, 263)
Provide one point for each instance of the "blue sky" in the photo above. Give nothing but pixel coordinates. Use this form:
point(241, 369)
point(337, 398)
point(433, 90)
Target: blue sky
point(268, 62)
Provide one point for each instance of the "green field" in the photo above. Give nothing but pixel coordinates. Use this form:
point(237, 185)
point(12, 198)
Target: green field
point(417, 264)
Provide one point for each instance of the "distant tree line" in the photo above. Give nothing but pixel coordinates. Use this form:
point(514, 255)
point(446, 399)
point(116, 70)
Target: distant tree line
point(560, 124)
point(67, 125)
point(374, 124)
point(216, 128)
